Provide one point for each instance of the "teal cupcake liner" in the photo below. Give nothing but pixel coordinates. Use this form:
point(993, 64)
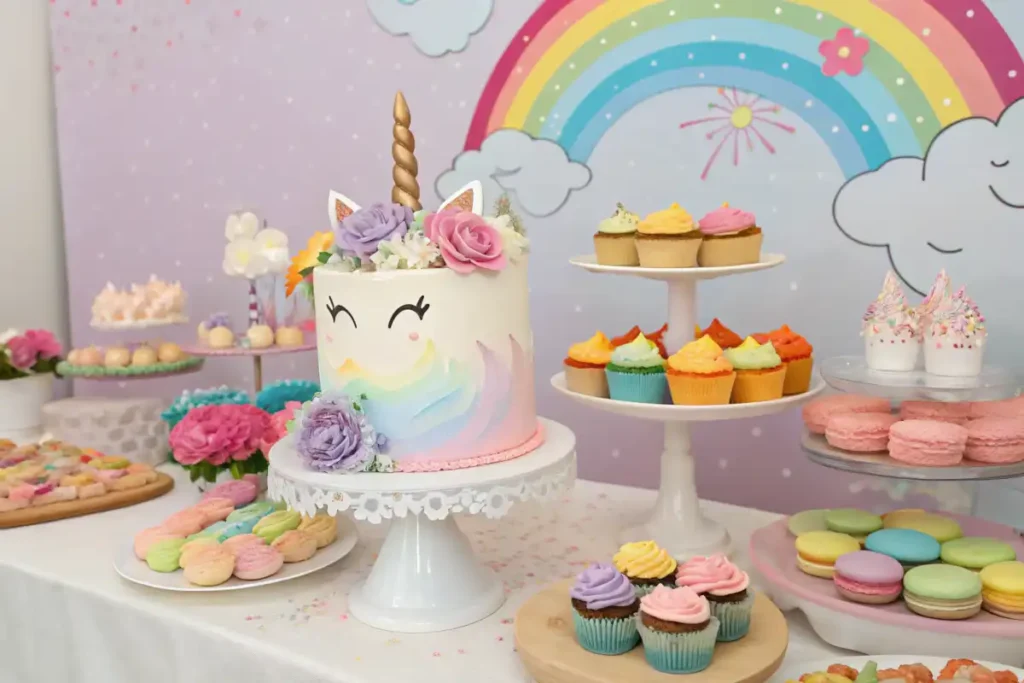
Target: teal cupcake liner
point(679, 653)
point(734, 618)
point(643, 589)
point(606, 636)
point(637, 387)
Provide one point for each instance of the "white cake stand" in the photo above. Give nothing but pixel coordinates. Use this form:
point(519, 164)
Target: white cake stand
point(676, 522)
point(426, 577)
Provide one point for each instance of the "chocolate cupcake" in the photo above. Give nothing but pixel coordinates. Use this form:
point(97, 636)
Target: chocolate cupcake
point(646, 565)
point(604, 611)
point(727, 589)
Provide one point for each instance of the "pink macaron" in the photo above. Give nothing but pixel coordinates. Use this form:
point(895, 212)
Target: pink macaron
point(860, 432)
point(254, 562)
point(927, 442)
point(955, 413)
point(868, 577)
point(995, 440)
point(1011, 407)
point(816, 414)
point(240, 491)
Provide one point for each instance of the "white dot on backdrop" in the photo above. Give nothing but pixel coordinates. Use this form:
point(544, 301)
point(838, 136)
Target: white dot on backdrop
point(101, 256)
point(713, 37)
point(786, 473)
point(722, 463)
point(926, 32)
point(457, 65)
point(188, 162)
point(350, 87)
point(145, 143)
point(793, 286)
point(1012, 73)
point(809, 103)
point(145, 200)
point(572, 65)
point(778, 10)
point(241, 98)
point(398, 67)
point(462, 104)
point(355, 136)
point(835, 129)
point(654, 62)
point(856, 31)
point(630, 163)
point(608, 115)
point(633, 24)
point(900, 80)
point(205, 125)
point(177, 264)
point(689, 55)
point(775, 209)
point(970, 14)
point(133, 168)
point(701, 75)
point(756, 431)
point(557, 86)
point(175, 196)
point(771, 176)
point(865, 128)
point(785, 65)
point(671, 12)
point(920, 119)
point(946, 102)
point(891, 118)
point(718, 6)
point(122, 385)
point(289, 100)
point(369, 61)
point(284, 196)
point(578, 308)
point(855, 487)
point(209, 278)
point(328, 119)
point(819, 16)
point(603, 41)
point(195, 93)
point(743, 55)
point(616, 453)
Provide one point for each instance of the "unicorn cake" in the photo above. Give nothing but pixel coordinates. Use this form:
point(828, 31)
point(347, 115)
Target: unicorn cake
point(423, 331)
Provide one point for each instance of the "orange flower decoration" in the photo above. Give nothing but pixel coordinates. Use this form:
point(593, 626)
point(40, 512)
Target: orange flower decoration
point(307, 258)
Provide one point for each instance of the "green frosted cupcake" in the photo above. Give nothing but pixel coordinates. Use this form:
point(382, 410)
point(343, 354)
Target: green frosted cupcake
point(727, 589)
point(677, 630)
point(604, 610)
point(637, 372)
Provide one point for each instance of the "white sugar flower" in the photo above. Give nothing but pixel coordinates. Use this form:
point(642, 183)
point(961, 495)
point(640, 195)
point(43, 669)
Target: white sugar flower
point(273, 247)
point(513, 243)
point(241, 226)
point(243, 258)
point(413, 251)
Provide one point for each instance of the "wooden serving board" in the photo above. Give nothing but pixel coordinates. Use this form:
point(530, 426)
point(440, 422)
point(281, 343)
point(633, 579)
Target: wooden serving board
point(546, 642)
point(76, 508)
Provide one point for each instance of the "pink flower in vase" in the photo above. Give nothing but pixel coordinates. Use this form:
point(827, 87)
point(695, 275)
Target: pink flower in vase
point(279, 425)
point(23, 352)
point(218, 433)
point(46, 344)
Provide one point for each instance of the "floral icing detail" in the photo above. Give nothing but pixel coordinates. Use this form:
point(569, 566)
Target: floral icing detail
point(844, 53)
point(601, 586)
point(411, 251)
point(466, 241)
point(513, 242)
point(644, 560)
point(889, 312)
point(726, 220)
point(503, 207)
point(334, 435)
point(678, 605)
point(361, 232)
point(714, 574)
point(957, 320)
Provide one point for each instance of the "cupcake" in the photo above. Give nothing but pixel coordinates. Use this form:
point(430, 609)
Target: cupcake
point(727, 589)
point(892, 339)
point(657, 337)
point(796, 354)
point(719, 333)
point(668, 239)
point(678, 630)
point(637, 372)
point(604, 611)
point(613, 241)
point(954, 340)
point(646, 565)
point(731, 238)
point(760, 373)
point(585, 364)
point(699, 374)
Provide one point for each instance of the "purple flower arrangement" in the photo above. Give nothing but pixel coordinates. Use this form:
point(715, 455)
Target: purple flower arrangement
point(334, 435)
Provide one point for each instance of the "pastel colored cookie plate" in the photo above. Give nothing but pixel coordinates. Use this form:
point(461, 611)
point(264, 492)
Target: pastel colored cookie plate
point(792, 671)
point(136, 571)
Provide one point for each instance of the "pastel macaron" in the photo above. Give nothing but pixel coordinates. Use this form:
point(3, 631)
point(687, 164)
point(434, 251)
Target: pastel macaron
point(995, 440)
point(215, 509)
point(239, 491)
point(942, 591)
point(1002, 589)
point(257, 510)
point(854, 522)
point(323, 528)
point(165, 555)
point(908, 547)
point(807, 520)
point(236, 543)
point(817, 551)
point(860, 432)
point(295, 545)
point(210, 566)
point(867, 577)
point(147, 537)
point(255, 562)
point(954, 413)
point(185, 522)
point(817, 413)
point(192, 548)
point(927, 443)
point(940, 528)
point(976, 552)
point(276, 523)
point(1010, 407)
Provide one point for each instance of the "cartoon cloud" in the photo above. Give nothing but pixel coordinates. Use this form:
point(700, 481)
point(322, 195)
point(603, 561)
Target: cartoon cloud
point(961, 207)
point(537, 172)
point(436, 27)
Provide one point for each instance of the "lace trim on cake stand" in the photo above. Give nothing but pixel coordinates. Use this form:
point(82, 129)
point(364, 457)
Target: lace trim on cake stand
point(535, 440)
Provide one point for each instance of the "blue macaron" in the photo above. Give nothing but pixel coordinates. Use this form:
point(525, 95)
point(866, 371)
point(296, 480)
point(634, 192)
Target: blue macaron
point(906, 546)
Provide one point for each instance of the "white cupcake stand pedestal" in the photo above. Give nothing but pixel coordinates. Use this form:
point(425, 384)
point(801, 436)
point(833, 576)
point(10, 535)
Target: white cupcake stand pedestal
point(426, 577)
point(676, 523)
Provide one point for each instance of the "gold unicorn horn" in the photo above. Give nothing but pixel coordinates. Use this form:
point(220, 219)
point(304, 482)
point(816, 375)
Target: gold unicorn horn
point(406, 191)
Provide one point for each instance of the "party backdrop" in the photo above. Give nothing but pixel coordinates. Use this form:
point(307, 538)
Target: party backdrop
point(865, 134)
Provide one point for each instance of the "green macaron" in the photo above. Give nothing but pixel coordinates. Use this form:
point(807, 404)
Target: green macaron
point(975, 552)
point(807, 520)
point(942, 591)
point(857, 523)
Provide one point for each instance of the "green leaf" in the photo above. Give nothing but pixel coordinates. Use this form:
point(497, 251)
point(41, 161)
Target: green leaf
point(306, 271)
point(237, 469)
point(257, 463)
point(209, 472)
point(193, 473)
point(323, 256)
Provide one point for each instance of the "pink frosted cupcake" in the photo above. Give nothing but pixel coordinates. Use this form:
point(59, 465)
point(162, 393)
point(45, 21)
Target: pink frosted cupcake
point(677, 629)
point(731, 238)
point(727, 589)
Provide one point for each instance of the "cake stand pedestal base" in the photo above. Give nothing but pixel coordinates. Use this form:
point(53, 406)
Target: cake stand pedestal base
point(426, 579)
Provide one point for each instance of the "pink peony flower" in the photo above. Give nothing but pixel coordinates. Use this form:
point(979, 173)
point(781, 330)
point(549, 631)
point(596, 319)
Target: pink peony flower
point(279, 425)
point(844, 53)
point(23, 352)
point(46, 344)
point(466, 241)
point(218, 433)
point(259, 425)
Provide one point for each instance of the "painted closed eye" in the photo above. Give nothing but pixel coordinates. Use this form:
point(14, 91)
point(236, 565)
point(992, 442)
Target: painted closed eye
point(1002, 165)
point(334, 309)
point(419, 308)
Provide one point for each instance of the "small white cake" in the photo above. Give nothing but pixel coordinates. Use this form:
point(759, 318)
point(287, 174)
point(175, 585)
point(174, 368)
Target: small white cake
point(892, 338)
point(954, 339)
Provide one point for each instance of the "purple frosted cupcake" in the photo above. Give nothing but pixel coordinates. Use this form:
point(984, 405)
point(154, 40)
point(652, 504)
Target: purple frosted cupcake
point(604, 610)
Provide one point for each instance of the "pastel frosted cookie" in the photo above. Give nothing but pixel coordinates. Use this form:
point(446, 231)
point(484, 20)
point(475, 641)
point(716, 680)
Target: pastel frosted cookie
point(295, 545)
point(323, 528)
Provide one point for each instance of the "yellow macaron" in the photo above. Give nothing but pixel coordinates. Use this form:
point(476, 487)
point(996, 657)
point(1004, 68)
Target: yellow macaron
point(817, 551)
point(940, 528)
point(1002, 589)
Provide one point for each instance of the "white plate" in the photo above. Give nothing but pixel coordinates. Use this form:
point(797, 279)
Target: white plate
point(590, 263)
point(135, 570)
point(793, 671)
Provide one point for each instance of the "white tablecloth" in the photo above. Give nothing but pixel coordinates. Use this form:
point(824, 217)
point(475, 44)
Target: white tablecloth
point(67, 615)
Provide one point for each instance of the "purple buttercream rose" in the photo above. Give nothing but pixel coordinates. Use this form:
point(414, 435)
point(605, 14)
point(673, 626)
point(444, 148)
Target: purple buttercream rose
point(602, 585)
point(361, 232)
point(218, 320)
point(334, 436)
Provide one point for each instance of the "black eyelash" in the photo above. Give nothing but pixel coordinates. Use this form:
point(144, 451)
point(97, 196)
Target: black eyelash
point(1002, 165)
point(334, 309)
point(419, 308)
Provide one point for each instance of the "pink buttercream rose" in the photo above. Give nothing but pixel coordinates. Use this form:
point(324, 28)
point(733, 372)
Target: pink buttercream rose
point(466, 241)
point(218, 433)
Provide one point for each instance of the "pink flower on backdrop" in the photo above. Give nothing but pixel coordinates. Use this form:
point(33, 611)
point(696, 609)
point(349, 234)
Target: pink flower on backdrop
point(279, 425)
point(218, 433)
point(466, 241)
point(844, 53)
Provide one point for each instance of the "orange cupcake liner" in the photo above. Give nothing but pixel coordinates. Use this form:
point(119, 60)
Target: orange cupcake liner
point(689, 389)
point(753, 386)
point(798, 376)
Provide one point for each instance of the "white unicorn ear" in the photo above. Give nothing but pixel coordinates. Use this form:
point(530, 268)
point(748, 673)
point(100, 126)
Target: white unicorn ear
point(338, 207)
point(470, 197)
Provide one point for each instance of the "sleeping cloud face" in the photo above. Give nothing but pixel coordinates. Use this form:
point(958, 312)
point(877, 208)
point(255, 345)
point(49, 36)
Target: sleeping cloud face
point(960, 208)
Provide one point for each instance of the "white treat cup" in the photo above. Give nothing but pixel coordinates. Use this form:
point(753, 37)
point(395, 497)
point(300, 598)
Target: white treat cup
point(892, 352)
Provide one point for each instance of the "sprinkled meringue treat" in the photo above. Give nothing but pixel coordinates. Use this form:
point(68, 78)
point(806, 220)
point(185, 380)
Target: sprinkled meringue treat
point(954, 340)
point(614, 242)
point(892, 336)
point(731, 238)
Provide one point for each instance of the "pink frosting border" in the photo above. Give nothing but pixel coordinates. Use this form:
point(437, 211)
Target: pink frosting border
point(531, 444)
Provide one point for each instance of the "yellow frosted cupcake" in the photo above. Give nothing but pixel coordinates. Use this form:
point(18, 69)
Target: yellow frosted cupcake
point(585, 366)
point(760, 372)
point(646, 565)
point(668, 239)
point(613, 242)
point(699, 374)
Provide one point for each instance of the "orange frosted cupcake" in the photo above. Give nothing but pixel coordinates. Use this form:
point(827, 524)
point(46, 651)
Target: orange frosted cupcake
point(720, 334)
point(658, 337)
point(760, 373)
point(585, 366)
point(700, 375)
point(668, 239)
point(796, 353)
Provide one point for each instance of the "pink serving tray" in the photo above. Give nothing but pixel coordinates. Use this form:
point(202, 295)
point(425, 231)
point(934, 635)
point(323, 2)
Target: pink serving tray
point(774, 556)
